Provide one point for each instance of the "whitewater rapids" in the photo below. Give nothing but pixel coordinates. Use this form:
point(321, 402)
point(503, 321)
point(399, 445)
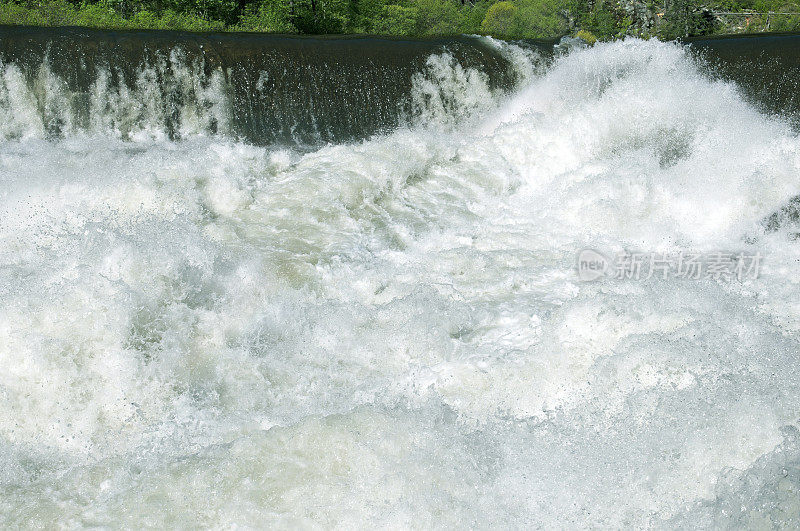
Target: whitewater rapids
point(198, 331)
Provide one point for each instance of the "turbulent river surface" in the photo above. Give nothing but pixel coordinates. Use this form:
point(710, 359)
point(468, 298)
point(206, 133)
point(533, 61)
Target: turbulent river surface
point(332, 283)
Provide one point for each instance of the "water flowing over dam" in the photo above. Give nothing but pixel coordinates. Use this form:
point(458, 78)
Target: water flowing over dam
point(302, 282)
point(259, 88)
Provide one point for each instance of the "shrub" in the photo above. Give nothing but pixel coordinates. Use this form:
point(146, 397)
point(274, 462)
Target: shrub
point(587, 37)
point(501, 19)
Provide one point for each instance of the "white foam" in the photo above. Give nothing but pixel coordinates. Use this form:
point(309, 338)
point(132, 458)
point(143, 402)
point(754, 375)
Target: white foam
point(391, 332)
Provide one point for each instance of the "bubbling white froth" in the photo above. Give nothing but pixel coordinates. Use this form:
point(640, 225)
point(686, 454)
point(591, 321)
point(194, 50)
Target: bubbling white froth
point(391, 332)
point(171, 88)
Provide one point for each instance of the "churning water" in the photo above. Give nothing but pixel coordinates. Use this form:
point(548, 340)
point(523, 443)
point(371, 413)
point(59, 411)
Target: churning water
point(199, 329)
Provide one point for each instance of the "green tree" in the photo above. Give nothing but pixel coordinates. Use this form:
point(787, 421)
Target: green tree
point(272, 16)
point(441, 17)
point(683, 18)
point(321, 16)
point(603, 18)
point(501, 19)
point(541, 18)
point(397, 20)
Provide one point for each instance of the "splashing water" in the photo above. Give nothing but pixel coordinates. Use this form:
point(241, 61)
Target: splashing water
point(391, 332)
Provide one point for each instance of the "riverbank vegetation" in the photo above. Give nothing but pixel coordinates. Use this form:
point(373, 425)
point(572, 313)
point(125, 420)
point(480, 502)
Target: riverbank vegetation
point(593, 19)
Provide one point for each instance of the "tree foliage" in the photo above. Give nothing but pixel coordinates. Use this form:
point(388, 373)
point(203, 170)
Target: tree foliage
point(605, 19)
point(389, 17)
point(500, 18)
